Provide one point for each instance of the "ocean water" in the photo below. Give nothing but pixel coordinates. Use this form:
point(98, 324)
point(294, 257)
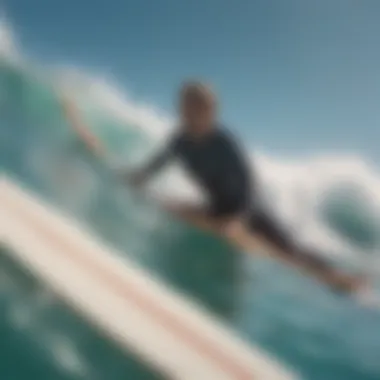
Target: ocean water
point(333, 203)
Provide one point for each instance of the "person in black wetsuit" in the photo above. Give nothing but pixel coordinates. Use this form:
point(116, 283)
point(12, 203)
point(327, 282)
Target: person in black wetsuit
point(217, 163)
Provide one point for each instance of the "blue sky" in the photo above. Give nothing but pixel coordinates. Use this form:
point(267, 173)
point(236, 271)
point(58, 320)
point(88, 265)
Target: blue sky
point(295, 76)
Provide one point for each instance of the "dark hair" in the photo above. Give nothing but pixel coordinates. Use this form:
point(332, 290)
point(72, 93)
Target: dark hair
point(199, 92)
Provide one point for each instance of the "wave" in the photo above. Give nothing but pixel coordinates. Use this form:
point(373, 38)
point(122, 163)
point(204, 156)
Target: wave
point(331, 202)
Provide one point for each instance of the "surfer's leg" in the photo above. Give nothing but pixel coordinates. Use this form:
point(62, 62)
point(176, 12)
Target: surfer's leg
point(197, 215)
point(268, 228)
point(212, 217)
point(288, 250)
point(215, 218)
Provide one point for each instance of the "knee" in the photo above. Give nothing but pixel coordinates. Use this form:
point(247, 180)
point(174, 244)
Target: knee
point(232, 229)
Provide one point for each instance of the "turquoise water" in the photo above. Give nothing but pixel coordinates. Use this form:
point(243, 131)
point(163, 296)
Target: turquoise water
point(322, 335)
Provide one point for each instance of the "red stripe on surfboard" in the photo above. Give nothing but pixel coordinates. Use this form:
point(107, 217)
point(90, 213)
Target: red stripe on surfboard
point(144, 302)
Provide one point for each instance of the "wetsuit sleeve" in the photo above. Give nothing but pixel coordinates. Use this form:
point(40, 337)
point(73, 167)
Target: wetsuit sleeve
point(236, 192)
point(161, 159)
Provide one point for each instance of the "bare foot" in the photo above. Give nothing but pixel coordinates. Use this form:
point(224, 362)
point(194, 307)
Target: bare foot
point(350, 284)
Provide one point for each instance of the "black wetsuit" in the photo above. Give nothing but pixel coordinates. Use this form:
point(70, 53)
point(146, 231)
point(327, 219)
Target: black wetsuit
point(219, 166)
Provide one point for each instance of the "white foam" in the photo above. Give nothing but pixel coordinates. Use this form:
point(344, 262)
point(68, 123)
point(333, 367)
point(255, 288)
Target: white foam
point(104, 93)
point(8, 45)
point(67, 356)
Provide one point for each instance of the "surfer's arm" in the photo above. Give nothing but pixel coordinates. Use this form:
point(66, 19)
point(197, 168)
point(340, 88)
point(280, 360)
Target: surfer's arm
point(81, 129)
point(154, 165)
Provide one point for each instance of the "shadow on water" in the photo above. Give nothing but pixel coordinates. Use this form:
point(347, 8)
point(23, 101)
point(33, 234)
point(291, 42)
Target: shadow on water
point(203, 267)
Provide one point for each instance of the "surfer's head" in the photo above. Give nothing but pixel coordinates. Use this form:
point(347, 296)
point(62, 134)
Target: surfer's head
point(197, 107)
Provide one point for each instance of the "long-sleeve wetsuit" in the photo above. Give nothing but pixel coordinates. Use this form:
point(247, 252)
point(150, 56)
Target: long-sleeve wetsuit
point(218, 164)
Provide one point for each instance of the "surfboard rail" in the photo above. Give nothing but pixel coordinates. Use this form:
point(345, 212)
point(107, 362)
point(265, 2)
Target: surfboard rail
point(173, 335)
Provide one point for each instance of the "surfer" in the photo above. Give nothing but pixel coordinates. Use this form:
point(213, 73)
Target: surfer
point(218, 164)
point(215, 160)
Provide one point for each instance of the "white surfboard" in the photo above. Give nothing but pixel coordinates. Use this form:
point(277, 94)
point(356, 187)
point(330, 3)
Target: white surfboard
point(172, 334)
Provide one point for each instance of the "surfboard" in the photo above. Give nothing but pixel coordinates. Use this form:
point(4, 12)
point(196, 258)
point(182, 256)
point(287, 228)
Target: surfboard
point(134, 308)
